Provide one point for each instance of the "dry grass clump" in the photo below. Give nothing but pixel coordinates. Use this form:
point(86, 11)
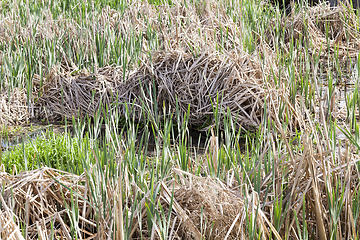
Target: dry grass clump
point(198, 81)
point(178, 79)
point(41, 202)
point(216, 211)
point(13, 108)
point(81, 95)
point(323, 28)
point(202, 208)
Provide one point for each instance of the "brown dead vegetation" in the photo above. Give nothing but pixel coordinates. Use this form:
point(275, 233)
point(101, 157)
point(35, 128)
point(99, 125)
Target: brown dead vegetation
point(41, 201)
point(323, 29)
point(176, 77)
point(13, 108)
point(243, 81)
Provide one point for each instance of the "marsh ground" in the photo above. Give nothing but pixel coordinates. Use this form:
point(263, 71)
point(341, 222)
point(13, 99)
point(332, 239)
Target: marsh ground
point(274, 96)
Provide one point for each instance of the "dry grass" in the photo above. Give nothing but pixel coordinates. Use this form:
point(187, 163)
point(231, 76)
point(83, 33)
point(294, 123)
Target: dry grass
point(67, 96)
point(310, 181)
point(244, 81)
point(178, 78)
point(13, 108)
point(195, 80)
point(42, 202)
point(324, 29)
point(187, 66)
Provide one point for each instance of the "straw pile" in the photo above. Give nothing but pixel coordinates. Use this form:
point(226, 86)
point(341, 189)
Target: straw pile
point(67, 96)
point(202, 207)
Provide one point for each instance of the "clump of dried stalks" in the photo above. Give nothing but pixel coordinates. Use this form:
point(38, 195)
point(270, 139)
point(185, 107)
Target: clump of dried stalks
point(67, 96)
point(201, 207)
point(177, 79)
point(41, 202)
point(13, 108)
point(322, 28)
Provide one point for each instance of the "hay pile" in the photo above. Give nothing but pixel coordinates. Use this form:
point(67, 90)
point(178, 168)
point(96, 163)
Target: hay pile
point(216, 210)
point(81, 95)
point(199, 81)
